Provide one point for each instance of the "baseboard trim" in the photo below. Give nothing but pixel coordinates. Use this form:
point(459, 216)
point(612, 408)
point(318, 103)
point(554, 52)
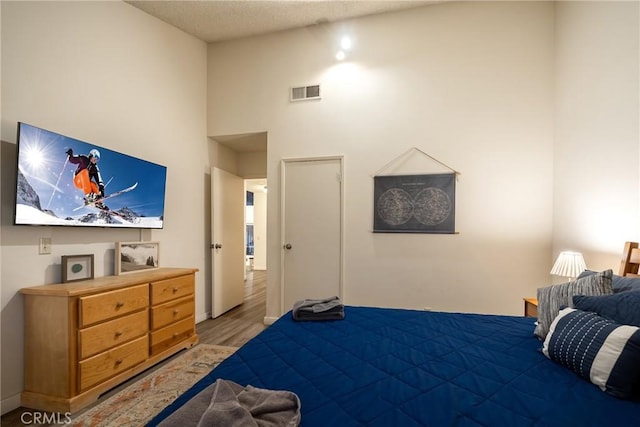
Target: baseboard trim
point(10, 403)
point(269, 320)
point(202, 317)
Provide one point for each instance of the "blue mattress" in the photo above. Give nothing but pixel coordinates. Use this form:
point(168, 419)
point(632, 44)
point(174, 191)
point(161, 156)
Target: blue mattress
point(390, 367)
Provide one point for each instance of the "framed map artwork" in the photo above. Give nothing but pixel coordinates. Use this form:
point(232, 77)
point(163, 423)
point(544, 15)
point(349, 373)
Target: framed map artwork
point(414, 203)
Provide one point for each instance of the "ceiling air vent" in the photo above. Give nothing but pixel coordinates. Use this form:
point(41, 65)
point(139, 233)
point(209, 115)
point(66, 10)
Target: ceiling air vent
point(304, 93)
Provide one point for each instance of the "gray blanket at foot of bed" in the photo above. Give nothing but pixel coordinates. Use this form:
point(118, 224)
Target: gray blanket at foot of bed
point(318, 309)
point(225, 403)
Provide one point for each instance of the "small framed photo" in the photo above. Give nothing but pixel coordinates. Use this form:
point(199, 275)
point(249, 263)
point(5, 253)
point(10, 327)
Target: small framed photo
point(131, 257)
point(77, 267)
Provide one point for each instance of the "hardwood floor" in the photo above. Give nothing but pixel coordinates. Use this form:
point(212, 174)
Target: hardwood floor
point(240, 324)
point(234, 328)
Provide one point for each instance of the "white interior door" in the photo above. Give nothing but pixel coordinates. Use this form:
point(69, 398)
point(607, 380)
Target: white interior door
point(227, 237)
point(311, 229)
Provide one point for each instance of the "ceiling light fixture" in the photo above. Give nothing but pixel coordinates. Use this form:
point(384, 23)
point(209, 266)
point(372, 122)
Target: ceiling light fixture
point(345, 46)
point(345, 43)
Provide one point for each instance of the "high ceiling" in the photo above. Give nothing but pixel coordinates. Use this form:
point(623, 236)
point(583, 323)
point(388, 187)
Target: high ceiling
point(218, 20)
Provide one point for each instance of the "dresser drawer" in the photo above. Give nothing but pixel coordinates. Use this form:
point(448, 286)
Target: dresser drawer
point(101, 337)
point(166, 290)
point(164, 338)
point(169, 312)
point(107, 305)
point(105, 365)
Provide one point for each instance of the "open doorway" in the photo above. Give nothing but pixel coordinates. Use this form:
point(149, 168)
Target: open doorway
point(255, 225)
point(245, 156)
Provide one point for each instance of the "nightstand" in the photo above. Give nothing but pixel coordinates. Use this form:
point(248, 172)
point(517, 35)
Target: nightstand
point(530, 307)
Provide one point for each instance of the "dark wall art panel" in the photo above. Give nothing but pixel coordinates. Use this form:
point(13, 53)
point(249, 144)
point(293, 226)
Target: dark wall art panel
point(414, 203)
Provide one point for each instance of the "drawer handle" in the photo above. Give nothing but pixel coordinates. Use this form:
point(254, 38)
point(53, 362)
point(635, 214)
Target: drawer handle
point(176, 335)
point(175, 312)
point(118, 362)
point(174, 290)
point(118, 334)
point(119, 304)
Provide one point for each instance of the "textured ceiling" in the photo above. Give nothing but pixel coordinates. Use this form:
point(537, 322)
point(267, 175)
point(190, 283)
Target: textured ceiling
point(217, 20)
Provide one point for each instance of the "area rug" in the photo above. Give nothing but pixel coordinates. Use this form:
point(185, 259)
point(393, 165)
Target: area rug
point(141, 401)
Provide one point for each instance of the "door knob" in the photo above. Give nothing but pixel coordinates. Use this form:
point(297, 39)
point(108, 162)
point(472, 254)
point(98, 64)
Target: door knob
point(287, 246)
point(217, 246)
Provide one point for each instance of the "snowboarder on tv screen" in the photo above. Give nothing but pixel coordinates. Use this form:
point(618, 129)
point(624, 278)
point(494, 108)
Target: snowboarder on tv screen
point(87, 175)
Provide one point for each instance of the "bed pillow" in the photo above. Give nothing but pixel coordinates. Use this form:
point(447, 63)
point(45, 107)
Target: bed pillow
point(619, 283)
point(551, 298)
point(625, 283)
point(623, 307)
point(597, 349)
point(586, 273)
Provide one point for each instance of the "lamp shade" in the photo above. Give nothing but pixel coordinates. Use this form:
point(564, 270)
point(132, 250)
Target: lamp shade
point(569, 264)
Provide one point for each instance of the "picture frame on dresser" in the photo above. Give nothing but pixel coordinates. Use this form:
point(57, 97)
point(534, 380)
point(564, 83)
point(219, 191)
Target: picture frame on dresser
point(133, 257)
point(77, 267)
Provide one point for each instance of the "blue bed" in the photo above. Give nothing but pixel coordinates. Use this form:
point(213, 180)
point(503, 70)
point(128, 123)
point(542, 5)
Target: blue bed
point(391, 367)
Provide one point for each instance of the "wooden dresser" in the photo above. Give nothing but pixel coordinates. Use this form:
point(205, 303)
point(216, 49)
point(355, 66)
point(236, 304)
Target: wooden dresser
point(84, 338)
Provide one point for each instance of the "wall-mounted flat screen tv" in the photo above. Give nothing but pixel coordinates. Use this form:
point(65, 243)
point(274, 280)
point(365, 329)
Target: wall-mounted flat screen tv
point(64, 181)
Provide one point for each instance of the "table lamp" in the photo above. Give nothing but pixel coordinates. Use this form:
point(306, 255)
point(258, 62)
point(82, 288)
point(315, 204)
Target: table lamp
point(569, 264)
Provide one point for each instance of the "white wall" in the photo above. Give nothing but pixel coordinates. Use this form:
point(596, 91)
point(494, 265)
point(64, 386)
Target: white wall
point(597, 152)
point(252, 164)
point(469, 83)
point(107, 73)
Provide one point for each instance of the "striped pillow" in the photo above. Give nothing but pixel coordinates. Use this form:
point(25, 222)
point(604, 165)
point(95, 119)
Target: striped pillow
point(552, 298)
point(597, 349)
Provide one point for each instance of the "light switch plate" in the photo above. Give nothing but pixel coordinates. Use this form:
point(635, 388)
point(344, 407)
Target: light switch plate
point(45, 245)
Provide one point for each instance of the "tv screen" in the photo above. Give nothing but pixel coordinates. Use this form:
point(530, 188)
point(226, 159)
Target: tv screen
point(64, 181)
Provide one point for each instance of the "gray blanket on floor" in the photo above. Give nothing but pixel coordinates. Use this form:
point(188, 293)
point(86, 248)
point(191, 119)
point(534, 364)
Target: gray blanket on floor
point(318, 309)
point(227, 404)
